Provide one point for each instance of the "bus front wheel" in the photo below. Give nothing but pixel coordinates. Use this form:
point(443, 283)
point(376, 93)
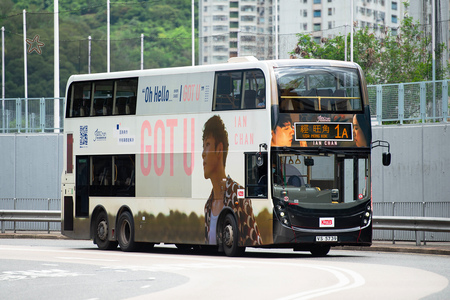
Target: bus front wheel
point(101, 233)
point(230, 237)
point(125, 233)
point(320, 250)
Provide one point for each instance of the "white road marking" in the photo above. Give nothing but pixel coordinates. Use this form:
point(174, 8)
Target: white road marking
point(33, 274)
point(85, 259)
point(348, 279)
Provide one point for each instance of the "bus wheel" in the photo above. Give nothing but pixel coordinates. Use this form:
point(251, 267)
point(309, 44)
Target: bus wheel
point(101, 233)
point(319, 251)
point(125, 234)
point(230, 237)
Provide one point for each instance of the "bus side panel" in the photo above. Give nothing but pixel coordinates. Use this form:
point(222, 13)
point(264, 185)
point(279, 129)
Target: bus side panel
point(171, 175)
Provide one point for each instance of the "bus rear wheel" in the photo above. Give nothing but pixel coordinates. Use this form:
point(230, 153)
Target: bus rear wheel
point(101, 233)
point(230, 237)
point(125, 234)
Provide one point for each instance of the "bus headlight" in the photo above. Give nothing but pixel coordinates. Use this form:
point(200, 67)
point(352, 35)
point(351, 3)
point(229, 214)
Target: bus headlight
point(366, 215)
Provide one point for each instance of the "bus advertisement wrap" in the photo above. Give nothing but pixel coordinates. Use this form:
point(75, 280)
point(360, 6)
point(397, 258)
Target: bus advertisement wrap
point(272, 153)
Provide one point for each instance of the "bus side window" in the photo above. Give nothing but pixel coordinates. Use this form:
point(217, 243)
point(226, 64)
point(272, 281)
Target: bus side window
point(80, 101)
point(103, 93)
point(254, 89)
point(125, 96)
point(256, 178)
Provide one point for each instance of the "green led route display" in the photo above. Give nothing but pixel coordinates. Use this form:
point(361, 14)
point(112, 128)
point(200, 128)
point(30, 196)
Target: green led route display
point(330, 131)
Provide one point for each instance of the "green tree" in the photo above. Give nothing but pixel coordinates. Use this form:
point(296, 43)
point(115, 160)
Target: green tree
point(403, 55)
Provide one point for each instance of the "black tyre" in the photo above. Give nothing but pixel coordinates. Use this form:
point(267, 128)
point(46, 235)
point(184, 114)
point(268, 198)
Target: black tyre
point(101, 234)
point(230, 237)
point(125, 232)
point(320, 250)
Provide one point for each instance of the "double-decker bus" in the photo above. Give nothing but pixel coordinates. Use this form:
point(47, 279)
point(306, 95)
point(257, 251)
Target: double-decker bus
point(244, 154)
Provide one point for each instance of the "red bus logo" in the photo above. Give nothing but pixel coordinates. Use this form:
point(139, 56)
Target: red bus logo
point(326, 222)
point(240, 193)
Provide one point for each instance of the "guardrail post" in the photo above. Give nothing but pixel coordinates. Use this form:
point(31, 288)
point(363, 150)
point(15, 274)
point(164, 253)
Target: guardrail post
point(18, 115)
point(444, 100)
point(423, 215)
point(42, 114)
point(15, 207)
point(48, 208)
point(423, 101)
point(401, 102)
point(417, 233)
point(393, 231)
point(379, 104)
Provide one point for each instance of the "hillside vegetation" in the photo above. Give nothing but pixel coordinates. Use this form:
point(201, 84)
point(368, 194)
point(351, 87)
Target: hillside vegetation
point(166, 25)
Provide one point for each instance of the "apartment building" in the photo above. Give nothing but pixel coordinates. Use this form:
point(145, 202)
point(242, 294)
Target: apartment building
point(328, 18)
point(229, 28)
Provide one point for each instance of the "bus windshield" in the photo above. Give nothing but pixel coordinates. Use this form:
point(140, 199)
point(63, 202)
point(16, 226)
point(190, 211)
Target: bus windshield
point(326, 178)
point(318, 89)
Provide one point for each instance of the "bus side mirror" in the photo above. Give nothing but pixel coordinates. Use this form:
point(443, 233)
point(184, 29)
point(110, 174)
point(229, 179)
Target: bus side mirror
point(259, 156)
point(387, 155)
point(386, 159)
point(259, 159)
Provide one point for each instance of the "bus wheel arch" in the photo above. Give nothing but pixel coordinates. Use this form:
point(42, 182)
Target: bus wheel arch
point(125, 230)
point(228, 234)
point(100, 230)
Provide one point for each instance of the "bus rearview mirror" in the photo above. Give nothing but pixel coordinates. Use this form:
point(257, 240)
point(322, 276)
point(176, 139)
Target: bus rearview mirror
point(259, 159)
point(386, 159)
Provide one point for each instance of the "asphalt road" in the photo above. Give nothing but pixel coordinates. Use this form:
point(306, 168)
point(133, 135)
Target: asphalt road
point(67, 269)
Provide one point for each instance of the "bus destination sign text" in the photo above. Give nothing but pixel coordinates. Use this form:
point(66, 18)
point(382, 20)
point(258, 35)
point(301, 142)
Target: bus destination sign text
point(329, 131)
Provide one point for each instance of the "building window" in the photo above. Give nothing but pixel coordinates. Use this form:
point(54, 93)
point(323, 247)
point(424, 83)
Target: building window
point(305, 26)
point(317, 27)
point(330, 25)
point(394, 5)
point(330, 11)
point(305, 13)
point(317, 1)
point(394, 19)
point(317, 14)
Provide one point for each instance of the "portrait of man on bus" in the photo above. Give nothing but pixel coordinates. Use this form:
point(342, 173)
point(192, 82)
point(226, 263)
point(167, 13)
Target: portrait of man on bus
point(224, 189)
point(283, 132)
point(361, 131)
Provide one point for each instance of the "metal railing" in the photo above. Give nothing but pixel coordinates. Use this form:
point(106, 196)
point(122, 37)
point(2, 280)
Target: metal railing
point(416, 224)
point(46, 216)
point(30, 115)
point(426, 101)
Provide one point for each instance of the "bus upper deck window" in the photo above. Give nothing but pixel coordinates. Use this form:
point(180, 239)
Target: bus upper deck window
point(103, 98)
point(125, 101)
point(80, 100)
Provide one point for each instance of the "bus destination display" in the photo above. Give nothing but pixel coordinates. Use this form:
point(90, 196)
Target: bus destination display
point(330, 131)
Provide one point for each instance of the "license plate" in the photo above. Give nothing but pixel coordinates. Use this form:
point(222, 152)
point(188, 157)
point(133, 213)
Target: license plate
point(326, 238)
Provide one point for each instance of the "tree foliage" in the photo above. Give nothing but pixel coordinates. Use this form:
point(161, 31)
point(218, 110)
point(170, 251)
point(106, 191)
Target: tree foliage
point(165, 24)
point(403, 55)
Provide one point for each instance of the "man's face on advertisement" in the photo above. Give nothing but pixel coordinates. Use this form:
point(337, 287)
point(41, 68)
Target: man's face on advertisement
point(283, 135)
point(211, 155)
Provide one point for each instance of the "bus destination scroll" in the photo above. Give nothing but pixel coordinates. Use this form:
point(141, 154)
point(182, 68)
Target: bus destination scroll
point(330, 131)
